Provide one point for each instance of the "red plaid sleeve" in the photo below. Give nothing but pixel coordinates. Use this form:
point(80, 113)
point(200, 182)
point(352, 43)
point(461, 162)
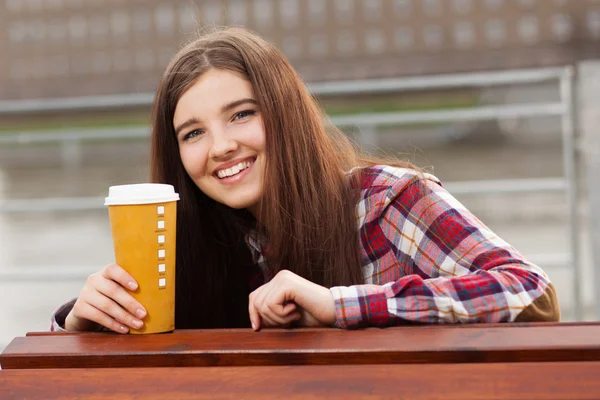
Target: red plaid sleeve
point(427, 259)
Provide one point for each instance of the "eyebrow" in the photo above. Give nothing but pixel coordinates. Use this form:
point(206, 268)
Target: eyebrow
point(225, 108)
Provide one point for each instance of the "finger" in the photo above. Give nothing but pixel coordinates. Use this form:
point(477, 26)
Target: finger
point(112, 309)
point(272, 313)
point(90, 313)
point(288, 308)
point(266, 320)
point(262, 317)
point(117, 293)
point(295, 316)
point(253, 312)
point(118, 274)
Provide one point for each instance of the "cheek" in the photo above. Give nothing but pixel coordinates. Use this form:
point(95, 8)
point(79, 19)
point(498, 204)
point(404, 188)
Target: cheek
point(193, 159)
point(257, 137)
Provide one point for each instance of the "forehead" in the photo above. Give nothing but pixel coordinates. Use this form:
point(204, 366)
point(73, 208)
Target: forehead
point(214, 89)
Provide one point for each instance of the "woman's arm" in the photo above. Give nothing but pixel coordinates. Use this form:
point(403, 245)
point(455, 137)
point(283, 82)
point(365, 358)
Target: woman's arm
point(453, 268)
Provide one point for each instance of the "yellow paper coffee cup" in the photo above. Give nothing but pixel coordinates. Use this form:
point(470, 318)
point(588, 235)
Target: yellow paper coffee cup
point(143, 220)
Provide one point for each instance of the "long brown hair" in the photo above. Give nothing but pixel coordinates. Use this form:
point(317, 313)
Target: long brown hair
point(307, 216)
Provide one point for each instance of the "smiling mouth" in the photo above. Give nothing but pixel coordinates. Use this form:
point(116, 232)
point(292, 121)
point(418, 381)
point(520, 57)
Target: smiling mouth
point(234, 170)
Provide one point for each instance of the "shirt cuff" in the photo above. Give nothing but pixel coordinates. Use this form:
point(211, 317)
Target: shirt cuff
point(60, 315)
point(360, 306)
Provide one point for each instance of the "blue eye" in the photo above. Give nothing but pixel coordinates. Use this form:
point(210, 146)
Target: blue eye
point(244, 114)
point(192, 134)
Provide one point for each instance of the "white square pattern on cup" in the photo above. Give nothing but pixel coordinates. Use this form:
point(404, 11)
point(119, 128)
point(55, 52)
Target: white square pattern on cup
point(161, 253)
point(161, 224)
point(162, 282)
point(162, 268)
point(161, 239)
point(160, 210)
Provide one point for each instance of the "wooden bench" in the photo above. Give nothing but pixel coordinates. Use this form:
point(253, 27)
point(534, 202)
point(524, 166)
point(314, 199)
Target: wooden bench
point(451, 361)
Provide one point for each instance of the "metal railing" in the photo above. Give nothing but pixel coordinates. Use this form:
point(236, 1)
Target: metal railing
point(368, 122)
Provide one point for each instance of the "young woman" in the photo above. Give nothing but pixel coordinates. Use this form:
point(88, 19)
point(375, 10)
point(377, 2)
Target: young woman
point(282, 222)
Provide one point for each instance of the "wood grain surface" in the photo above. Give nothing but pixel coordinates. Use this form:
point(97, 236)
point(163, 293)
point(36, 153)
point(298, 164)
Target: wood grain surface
point(566, 380)
point(448, 344)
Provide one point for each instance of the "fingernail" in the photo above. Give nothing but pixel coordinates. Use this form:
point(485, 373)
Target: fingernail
point(132, 285)
point(137, 323)
point(140, 313)
point(253, 326)
point(123, 329)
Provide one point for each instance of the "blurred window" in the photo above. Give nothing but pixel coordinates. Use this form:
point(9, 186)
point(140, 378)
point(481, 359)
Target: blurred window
point(211, 13)
point(14, 5)
point(495, 31)
point(144, 60)
point(528, 28)
point(98, 28)
point(37, 30)
point(463, 6)
point(56, 31)
point(432, 7)
point(562, 29)
point(373, 9)
point(187, 18)
point(17, 32)
point(318, 45)
point(292, 46)
point(346, 42)
point(403, 38)
point(19, 69)
point(403, 7)
point(593, 23)
point(493, 4)
point(237, 12)
point(78, 28)
point(121, 60)
point(54, 3)
point(527, 3)
point(464, 34)
point(263, 13)
point(290, 12)
point(433, 36)
point(164, 18)
point(100, 62)
point(38, 68)
point(375, 41)
point(344, 11)
point(317, 12)
point(119, 23)
point(58, 65)
point(142, 21)
point(34, 5)
point(164, 56)
point(79, 65)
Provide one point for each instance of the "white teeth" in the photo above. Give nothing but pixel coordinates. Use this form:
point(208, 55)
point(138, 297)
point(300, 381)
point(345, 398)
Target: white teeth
point(236, 169)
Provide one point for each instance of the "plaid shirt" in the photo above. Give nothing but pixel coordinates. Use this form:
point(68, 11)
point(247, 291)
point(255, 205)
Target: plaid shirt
point(427, 259)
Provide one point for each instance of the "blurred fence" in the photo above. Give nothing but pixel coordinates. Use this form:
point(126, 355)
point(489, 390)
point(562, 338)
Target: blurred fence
point(367, 134)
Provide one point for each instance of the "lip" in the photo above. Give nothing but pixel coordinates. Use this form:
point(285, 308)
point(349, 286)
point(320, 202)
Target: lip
point(235, 178)
point(232, 163)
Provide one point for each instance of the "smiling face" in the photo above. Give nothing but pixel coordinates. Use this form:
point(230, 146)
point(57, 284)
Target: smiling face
point(221, 138)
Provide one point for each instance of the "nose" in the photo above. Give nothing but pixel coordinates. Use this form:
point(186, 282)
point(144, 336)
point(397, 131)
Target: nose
point(222, 144)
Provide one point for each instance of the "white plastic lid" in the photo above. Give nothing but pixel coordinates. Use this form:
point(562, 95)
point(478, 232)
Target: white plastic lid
point(141, 193)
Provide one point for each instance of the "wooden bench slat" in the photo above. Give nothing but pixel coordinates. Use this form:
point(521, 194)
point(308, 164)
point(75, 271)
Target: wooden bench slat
point(578, 380)
point(300, 347)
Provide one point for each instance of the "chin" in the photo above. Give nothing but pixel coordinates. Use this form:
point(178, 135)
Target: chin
point(239, 204)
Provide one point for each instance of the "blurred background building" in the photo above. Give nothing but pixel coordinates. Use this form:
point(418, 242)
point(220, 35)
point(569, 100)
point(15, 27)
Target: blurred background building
point(56, 161)
point(55, 48)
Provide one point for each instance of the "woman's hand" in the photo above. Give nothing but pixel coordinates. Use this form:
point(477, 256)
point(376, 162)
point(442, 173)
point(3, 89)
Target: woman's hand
point(104, 301)
point(288, 298)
